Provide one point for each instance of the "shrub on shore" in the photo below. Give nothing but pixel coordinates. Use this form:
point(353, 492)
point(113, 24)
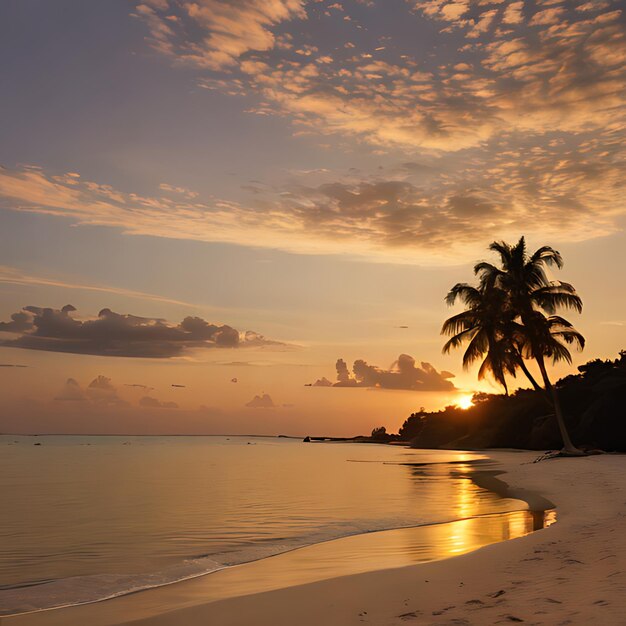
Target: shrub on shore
point(594, 402)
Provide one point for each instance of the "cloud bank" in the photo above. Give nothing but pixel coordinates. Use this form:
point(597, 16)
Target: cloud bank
point(510, 119)
point(569, 188)
point(517, 67)
point(120, 335)
point(403, 374)
point(100, 392)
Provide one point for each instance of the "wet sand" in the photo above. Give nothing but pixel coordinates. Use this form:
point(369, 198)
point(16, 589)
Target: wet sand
point(573, 572)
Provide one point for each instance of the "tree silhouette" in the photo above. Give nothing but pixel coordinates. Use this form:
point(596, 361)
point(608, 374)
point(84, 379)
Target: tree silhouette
point(481, 326)
point(511, 316)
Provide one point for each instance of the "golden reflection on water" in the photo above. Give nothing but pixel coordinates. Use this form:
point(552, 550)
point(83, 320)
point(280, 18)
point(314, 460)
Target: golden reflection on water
point(341, 557)
point(465, 505)
point(127, 510)
point(479, 518)
point(471, 529)
point(373, 551)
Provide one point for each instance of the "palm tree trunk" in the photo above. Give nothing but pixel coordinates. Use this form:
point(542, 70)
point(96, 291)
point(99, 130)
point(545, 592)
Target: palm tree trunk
point(568, 447)
point(542, 392)
point(530, 377)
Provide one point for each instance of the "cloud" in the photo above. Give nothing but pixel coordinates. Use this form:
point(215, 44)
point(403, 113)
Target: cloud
point(521, 104)
point(12, 365)
point(433, 215)
point(322, 382)
point(71, 392)
point(121, 335)
point(403, 374)
point(100, 392)
point(149, 402)
point(20, 322)
point(343, 374)
point(516, 128)
point(263, 401)
point(13, 276)
point(226, 29)
point(551, 68)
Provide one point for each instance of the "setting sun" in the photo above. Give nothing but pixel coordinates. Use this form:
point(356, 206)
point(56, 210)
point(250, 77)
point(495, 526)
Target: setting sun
point(465, 402)
point(257, 260)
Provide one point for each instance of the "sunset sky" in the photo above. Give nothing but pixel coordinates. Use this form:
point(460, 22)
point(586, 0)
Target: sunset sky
point(204, 205)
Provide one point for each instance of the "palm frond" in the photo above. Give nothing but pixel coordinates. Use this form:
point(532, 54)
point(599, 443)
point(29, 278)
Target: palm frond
point(459, 339)
point(555, 321)
point(476, 348)
point(518, 253)
point(466, 293)
point(459, 322)
point(547, 255)
point(559, 352)
point(504, 250)
point(535, 276)
point(555, 296)
point(485, 368)
point(569, 335)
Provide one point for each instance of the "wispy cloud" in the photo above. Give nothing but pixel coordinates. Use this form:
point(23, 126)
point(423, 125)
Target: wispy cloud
point(436, 215)
point(224, 30)
point(517, 68)
point(14, 276)
point(516, 117)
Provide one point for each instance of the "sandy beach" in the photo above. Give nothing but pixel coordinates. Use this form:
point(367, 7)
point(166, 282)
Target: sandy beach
point(570, 573)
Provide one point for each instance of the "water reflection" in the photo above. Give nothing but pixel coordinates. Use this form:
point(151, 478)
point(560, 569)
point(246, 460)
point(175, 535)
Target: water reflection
point(86, 522)
point(375, 551)
point(341, 557)
point(482, 518)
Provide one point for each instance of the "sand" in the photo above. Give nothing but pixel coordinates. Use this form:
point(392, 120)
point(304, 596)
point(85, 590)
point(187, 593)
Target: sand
point(573, 572)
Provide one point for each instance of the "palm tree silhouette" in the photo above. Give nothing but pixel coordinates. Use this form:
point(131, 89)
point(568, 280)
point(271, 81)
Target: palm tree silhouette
point(481, 326)
point(507, 313)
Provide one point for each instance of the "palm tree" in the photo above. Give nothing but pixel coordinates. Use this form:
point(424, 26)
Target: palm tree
point(507, 315)
point(546, 337)
point(530, 291)
point(481, 327)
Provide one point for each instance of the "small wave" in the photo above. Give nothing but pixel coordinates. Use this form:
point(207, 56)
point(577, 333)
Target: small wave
point(38, 596)
point(51, 594)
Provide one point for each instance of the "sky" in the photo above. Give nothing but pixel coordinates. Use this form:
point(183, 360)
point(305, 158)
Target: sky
point(215, 216)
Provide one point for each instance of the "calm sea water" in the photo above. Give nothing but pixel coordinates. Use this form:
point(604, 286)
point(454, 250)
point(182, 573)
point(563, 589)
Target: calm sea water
point(84, 518)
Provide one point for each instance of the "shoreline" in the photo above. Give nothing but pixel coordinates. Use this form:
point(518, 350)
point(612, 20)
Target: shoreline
point(312, 548)
point(485, 479)
point(381, 597)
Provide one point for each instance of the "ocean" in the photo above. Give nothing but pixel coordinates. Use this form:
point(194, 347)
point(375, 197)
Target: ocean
point(87, 518)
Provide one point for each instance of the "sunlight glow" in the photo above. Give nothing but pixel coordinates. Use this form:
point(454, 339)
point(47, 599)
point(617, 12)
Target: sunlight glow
point(465, 402)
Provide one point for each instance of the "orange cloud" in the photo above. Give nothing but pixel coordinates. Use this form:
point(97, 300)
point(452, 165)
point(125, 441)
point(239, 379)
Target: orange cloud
point(510, 186)
point(229, 28)
point(552, 69)
point(403, 374)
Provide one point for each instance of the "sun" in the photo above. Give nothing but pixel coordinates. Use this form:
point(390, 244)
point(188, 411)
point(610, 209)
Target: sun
point(465, 402)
